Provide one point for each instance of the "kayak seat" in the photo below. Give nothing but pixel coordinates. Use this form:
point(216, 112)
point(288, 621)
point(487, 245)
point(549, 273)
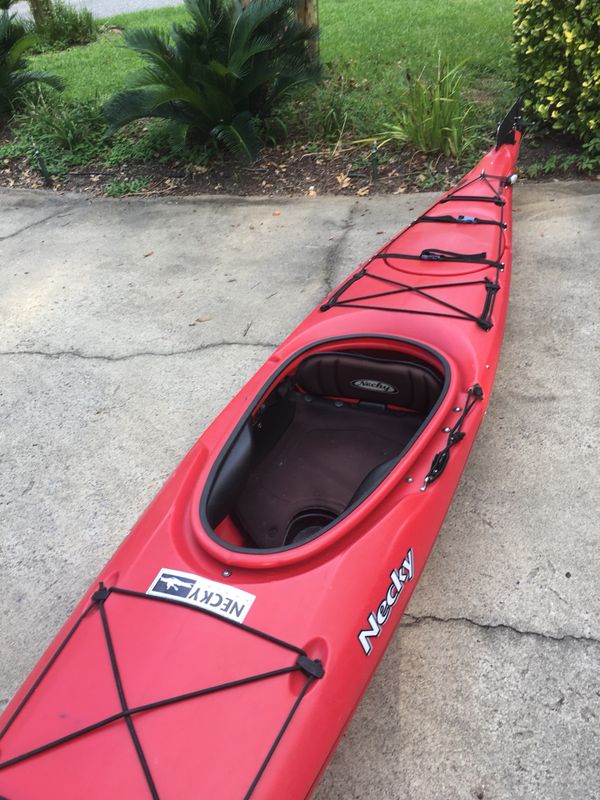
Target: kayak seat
point(364, 377)
point(320, 443)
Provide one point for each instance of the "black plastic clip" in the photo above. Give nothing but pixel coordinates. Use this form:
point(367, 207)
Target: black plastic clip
point(101, 594)
point(311, 667)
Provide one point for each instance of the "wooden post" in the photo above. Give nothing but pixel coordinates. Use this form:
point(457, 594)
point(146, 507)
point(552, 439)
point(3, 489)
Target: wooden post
point(305, 11)
point(41, 10)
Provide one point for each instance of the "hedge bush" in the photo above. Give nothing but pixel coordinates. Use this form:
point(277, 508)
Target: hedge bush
point(557, 51)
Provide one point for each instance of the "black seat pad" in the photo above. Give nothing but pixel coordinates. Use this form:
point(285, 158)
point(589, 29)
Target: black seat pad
point(317, 465)
point(368, 378)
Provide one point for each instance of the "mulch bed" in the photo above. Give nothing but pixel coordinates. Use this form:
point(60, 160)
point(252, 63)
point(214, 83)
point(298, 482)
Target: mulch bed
point(281, 171)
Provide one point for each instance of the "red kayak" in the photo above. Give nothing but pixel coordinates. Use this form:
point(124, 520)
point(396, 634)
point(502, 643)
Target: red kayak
point(224, 648)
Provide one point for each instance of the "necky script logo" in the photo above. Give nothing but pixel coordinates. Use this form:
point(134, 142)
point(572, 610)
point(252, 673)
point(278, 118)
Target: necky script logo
point(377, 619)
point(219, 598)
point(375, 386)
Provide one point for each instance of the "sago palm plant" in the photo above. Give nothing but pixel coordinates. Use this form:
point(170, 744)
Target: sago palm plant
point(15, 41)
point(221, 74)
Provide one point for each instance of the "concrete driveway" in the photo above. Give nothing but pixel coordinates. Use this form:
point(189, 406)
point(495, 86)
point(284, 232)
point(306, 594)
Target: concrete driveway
point(126, 325)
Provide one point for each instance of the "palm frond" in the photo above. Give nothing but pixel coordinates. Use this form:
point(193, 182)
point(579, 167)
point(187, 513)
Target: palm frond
point(151, 44)
point(22, 78)
point(202, 13)
point(131, 104)
point(258, 45)
point(253, 17)
point(12, 28)
point(240, 136)
point(18, 49)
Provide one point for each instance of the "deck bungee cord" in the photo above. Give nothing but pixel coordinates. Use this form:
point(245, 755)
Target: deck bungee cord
point(483, 319)
point(311, 668)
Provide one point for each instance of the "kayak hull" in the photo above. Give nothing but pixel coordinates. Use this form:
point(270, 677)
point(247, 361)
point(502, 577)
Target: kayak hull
point(201, 666)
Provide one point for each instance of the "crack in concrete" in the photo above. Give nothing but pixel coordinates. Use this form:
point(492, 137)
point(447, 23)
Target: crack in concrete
point(333, 252)
point(409, 620)
point(128, 356)
point(60, 213)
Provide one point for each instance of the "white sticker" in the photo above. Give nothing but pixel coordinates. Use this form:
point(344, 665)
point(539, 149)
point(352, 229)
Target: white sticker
point(194, 590)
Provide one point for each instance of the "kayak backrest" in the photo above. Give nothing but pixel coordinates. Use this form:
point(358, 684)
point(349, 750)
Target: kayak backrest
point(355, 376)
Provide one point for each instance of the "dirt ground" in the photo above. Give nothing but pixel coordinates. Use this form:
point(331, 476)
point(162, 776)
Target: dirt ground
point(298, 171)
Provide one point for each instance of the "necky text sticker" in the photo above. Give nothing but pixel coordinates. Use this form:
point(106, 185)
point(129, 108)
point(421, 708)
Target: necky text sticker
point(375, 386)
point(194, 590)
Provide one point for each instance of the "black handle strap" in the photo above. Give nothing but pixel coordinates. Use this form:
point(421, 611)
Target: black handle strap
point(475, 198)
point(460, 219)
point(441, 459)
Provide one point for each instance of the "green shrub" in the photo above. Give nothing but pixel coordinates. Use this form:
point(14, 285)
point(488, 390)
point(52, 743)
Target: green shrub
point(220, 75)
point(66, 26)
point(434, 116)
point(15, 41)
point(557, 53)
point(64, 134)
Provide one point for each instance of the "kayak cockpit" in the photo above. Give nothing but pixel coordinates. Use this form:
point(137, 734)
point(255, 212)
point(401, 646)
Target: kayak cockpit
point(318, 443)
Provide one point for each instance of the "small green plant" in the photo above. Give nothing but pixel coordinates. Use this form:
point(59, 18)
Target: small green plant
point(434, 117)
point(585, 162)
point(67, 26)
point(15, 41)
point(64, 134)
point(120, 188)
point(220, 75)
point(590, 158)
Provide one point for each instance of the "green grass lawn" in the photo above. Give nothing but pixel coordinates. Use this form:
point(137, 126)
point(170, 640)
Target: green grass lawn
point(378, 39)
point(101, 68)
point(368, 45)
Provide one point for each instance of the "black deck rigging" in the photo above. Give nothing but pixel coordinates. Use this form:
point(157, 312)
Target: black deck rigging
point(311, 668)
point(491, 286)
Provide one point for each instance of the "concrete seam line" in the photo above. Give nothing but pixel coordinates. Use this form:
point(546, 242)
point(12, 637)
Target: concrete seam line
point(61, 213)
point(332, 253)
point(410, 620)
point(128, 356)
